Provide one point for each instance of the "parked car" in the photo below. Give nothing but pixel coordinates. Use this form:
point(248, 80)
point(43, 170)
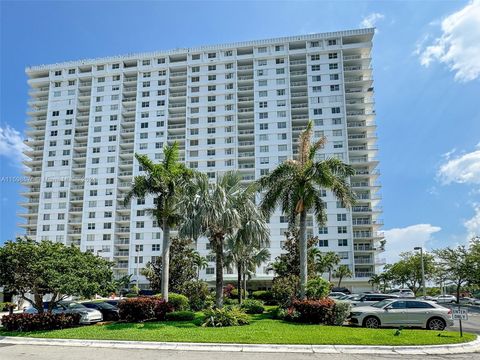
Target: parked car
point(402, 312)
point(109, 312)
point(404, 293)
point(336, 295)
point(88, 316)
point(446, 299)
point(369, 299)
point(426, 297)
point(342, 290)
point(112, 302)
point(469, 301)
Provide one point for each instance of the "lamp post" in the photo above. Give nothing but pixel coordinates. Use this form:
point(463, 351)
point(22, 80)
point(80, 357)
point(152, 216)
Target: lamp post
point(423, 269)
point(137, 248)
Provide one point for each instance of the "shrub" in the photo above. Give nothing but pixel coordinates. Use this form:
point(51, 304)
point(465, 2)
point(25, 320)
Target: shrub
point(228, 301)
point(5, 306)
point(180, 316)
point(317, 288)
point(197, 293)
point(131, 295)
point(341, 312)
point(178, 301)
point(225, 317)
point(251, 306)
point(284, 290)
point(264, 295)
point(234, 294)
point(143, 309)
point(312, 311)
point(227, 290)
point(44, 321)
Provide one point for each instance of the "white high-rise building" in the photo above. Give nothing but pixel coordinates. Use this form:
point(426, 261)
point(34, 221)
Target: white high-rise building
point(237, 106)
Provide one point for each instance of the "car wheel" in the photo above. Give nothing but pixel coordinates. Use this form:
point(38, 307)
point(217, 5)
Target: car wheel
point(371, 322)
point(436, 324)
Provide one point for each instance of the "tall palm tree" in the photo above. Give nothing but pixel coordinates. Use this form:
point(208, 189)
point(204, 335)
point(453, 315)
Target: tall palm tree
point(164, 181)
point(252, 261)
point(375, 281)
point(215, 211)
point(326, 262)
point(245, 248)
point(342, 272)
point(295, 186)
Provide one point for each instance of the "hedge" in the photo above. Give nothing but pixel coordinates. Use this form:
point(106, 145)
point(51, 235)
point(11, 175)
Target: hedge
point(44, 321)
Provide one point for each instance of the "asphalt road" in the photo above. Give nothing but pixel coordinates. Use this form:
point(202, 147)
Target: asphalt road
point(30, 352)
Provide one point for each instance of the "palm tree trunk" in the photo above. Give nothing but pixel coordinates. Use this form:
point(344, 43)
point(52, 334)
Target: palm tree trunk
point(165, 259)
point(219, 272)
point(239, 282)
point(339, 281)
point(244, 290)
point(303, 253)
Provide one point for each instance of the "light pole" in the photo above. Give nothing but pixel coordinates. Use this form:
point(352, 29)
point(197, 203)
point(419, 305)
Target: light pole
point(423, 269)
point(137, 248)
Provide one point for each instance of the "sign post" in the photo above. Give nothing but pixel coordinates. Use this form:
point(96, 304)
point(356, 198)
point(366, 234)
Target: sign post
point(460, 314)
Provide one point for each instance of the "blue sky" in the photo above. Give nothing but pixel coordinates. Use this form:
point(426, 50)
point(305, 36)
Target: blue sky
point(427, 83)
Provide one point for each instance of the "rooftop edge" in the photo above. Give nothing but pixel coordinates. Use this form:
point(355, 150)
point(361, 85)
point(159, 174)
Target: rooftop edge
point(132, 56)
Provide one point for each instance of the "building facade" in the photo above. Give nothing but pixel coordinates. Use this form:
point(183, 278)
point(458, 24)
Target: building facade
point(235, 106)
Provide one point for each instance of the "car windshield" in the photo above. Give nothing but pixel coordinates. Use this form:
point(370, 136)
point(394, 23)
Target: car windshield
point(382, 303)
point(105, 306)
point(74, 305)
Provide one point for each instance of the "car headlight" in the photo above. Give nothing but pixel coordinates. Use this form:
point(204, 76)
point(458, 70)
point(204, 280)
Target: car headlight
point(356, 313)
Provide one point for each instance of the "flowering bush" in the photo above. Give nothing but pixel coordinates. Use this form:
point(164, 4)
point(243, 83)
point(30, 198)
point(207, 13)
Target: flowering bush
point(143, 309)
point(227, 290)
point(44, 321)
point(312, 311)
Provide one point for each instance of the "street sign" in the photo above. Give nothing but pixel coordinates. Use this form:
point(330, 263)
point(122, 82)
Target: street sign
point(460, 314)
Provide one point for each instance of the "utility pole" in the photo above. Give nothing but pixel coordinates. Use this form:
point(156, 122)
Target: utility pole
point(423, 270)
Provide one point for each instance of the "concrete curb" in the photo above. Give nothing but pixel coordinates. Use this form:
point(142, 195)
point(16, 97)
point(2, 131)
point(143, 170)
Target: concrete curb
point(470, 347)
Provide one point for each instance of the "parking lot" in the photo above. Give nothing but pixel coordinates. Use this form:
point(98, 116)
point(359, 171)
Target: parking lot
point(472, 324)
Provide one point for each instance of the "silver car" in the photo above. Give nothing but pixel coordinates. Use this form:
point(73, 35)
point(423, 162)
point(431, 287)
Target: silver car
point(402, 312)
point(88, 316)
point(446, 299)
point(369, 299)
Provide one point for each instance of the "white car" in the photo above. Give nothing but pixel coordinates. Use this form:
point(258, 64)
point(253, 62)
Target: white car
point(402, 312)
point(404, 293)
point(369, 299)
point(469, 301)
point(446, 299)
point(88, 316)
point(336, 294)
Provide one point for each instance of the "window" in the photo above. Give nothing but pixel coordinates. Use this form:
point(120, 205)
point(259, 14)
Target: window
point(155, 247)
point(333, 66)
point(341, 229)
point(323, 243)
point(334, 77)
point(210, 270)
point(336, 121)
point(336, 110)
point(341, 217)
point(279, 47)
point(196, 57)
point(316, 78)
point(323, 230)
point(342, 242)
point(418, 305)
point(332, 42)
point(212, 55)
point(332, 55)
point(264, 148)
point(337, 132)
point(263, 126)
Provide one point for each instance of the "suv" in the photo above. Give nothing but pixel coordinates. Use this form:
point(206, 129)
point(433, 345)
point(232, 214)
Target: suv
point(405, 293)
point(402, 312)
point(369, 299)
point(446, 299)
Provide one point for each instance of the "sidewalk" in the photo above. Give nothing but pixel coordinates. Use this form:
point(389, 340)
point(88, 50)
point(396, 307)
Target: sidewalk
point(470, 347)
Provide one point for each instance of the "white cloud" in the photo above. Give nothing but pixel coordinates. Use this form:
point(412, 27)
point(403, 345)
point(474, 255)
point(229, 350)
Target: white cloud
point(459, 44)
point(473, 225)
point(405, 239)
point(461, 169)
point(12, 146)
point(371, 20)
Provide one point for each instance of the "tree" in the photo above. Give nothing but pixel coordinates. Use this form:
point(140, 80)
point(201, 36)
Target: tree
point(183, 266)
point(200, 262)
point(456, 265)
point(165, 182)
point(326, 262)
point(41, 268)
point(343, 271)
point(216, 210)
point(375, 281)
point(474, 250)
point(296, 187)
point(288, 263)
point(122, 283)
point(408, 270)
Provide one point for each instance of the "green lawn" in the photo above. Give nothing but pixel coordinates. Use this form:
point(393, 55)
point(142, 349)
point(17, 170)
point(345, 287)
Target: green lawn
point(262, 329)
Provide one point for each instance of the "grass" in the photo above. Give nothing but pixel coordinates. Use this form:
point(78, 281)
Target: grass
point(262, 329)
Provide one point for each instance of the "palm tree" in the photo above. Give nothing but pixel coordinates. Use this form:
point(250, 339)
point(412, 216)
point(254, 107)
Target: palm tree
point(215, 211)
point(326, 262)
point(245, 248)
point(252, 261)
point(165, 182)
point(343, 271)
point(375, 281)
point(200, 262)
point(296, 187)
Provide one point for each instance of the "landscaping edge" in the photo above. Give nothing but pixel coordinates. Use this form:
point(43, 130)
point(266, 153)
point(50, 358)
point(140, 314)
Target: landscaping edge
point(468, 347)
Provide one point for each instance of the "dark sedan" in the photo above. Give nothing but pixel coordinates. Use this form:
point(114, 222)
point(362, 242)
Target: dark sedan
point(109, 312)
